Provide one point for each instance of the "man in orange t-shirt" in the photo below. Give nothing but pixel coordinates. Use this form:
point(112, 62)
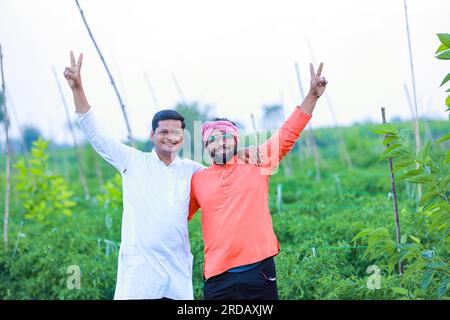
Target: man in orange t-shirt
point(239, 240)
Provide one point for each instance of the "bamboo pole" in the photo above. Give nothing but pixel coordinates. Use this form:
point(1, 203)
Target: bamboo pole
point(252, 116)
point(152, 92)
point(394, 194)
point(342, 143)
point(19, 128)
point(78, 152)
point(180, 92)
point(414, 121)
point(121, 103)
point(413, 79)
point(411, 64)
point(287, 163)
point(8, 164)
point(310, 128)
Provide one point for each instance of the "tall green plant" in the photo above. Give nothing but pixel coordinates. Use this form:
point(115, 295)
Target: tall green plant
point(425, 257)
point(43, 194)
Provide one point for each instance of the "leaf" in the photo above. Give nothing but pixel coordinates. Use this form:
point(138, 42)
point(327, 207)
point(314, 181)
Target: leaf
point(423, 154)
point(402, 163)
point(389, 140)
point(441, 48)
point(385, 128)
point(445, 80)
point(402, 151)
point(414, 239)
point(423, 178)
point(444, 138)
point(436, 265)
point(389, 149)
point(403, 238)
point(410, 173)
point(445, 38)
point(426, 279)
point(401, 291)
point(443, 287)
point(447, 101)
point(362, 234)
point(444, 55)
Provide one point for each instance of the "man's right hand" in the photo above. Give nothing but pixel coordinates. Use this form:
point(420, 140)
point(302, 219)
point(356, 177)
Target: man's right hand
point(72, 73)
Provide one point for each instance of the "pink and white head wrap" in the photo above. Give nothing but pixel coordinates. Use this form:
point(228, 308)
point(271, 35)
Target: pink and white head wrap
point(224, 126)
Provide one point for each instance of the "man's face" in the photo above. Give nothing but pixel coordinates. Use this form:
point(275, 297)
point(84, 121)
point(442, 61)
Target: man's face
point(221, 146)
point(168, 137)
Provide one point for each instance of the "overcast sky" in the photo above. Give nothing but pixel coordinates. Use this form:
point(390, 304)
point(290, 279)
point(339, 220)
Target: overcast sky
point(234, 55)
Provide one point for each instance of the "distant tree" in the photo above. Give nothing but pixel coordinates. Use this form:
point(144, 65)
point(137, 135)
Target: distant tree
point(273, 116)
point(30, 134)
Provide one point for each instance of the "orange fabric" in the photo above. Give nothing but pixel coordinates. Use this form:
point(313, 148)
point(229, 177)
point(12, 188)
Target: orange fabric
point(236, 223)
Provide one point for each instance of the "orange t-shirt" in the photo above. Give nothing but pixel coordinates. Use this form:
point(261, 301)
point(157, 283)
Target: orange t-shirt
point(236, 223)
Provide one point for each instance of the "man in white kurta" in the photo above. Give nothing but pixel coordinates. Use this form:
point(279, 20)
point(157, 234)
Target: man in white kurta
point(155, 260)
point(154, 256)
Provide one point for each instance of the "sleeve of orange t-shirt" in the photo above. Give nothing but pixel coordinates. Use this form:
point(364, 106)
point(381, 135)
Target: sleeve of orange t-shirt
point(283, 140)
point(193, 204)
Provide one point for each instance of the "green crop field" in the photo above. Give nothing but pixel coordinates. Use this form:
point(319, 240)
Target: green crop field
point(54, 228)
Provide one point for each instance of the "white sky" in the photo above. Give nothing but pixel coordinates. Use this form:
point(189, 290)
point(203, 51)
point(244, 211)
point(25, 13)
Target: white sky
point(234, 55)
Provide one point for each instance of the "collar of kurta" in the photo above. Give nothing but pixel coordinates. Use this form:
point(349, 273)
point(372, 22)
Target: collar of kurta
point(233, 162)
point(174, 162)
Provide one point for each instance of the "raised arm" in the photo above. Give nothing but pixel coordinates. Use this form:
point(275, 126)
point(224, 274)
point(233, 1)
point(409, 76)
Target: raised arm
point(114, 152)
point(283, 140)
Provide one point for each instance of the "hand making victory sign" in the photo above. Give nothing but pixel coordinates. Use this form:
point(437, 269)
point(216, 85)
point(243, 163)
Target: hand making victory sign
point(318, 83)
point(72, 74)
point(73, 77)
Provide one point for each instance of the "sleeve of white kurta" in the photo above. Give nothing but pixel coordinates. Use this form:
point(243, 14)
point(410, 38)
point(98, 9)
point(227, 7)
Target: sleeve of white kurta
point(198, 167)
point(114, 152)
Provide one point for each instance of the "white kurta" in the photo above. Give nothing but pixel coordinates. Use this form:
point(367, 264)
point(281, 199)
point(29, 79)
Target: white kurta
point(155, 260)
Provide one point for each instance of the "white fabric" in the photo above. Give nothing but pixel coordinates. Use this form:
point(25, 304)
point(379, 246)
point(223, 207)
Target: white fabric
point(155, 260)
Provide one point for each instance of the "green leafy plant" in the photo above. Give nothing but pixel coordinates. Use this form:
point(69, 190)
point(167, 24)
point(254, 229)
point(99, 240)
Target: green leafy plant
point(112, 195)
point(421, 256)
point(443, 53)
point(43, 194)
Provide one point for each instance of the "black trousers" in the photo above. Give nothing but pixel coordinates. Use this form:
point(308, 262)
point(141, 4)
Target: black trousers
point(258, 283)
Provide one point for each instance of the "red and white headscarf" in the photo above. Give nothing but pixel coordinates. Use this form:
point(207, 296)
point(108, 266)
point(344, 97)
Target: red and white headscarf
point(224, 126)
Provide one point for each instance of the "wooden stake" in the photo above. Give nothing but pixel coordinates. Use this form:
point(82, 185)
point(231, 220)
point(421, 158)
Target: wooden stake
point(152, 92)
point(180, 92)
point(19, 129)
point(121, 103)
point(342, 143)
point(311, 131)
point(394, 195)
point(8, 165)
point(252, 116)
point(75, 143)
point(413, 79)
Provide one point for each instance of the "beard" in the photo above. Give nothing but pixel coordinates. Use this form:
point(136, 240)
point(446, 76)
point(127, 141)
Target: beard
point(224, 155)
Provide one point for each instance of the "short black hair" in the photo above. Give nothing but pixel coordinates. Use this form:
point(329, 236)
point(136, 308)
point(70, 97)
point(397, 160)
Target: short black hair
point(167, 115)
point(224, 119)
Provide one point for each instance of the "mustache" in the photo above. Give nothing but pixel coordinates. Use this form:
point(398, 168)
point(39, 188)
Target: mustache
point(227, 154)
point(176, 141)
